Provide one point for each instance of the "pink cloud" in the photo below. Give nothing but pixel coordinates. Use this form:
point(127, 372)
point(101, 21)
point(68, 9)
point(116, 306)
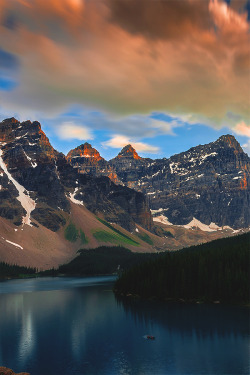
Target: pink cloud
point(242, 129)
point(84, 52)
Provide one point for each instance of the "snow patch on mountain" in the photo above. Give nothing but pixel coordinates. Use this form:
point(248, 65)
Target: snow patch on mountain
point(14, 244)
point(195, 223)
point(83, 156)
point(159, 210)
point(162, 219)
point(72, 197)
point(27, 203)
point(34, 164)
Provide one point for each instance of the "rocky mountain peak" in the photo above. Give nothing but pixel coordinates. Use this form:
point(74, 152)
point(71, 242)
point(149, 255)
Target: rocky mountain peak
point(230, 141)
point(128, 152)
point(85, 151)
point(24, 143)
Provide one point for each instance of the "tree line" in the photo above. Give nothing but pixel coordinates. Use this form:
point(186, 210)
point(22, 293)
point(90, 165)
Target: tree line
point(15, 271)
point(218, 270)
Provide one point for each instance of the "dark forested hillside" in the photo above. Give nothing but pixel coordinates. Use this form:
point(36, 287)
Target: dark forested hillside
point(104, 260)
point(13, 271)
point(218, 270)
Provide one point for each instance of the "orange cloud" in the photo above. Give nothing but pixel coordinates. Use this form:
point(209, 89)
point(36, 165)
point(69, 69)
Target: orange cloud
point(242, 129)
point(183, 57)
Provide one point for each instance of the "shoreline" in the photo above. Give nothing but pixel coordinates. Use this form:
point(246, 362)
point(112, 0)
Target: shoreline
point(197, 301)
point(24, 277)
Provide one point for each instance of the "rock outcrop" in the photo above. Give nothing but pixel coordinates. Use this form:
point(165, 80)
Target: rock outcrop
point(7, 371)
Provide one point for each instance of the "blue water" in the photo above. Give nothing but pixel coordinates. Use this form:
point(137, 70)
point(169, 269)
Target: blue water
point(76, 326)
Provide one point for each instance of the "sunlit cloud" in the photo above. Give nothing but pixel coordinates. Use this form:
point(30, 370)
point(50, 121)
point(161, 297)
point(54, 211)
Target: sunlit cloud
point(242, 129)
point(136, 126)
point(119, 141)
point(129, 57)
point(70, 130)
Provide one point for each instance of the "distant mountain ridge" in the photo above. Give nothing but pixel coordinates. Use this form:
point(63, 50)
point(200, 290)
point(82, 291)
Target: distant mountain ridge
point(208, 183)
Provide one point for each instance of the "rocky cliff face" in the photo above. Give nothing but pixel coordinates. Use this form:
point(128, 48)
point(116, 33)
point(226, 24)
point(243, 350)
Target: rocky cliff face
point(128, 165)
point(37, 182)
point(30, 182)
point(209, 183)
point(87, 160)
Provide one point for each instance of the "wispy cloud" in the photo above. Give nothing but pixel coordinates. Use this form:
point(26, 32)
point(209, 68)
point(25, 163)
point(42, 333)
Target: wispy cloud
point(242, 129)
point(70, 130)
point(135, 126)
point(119, 141)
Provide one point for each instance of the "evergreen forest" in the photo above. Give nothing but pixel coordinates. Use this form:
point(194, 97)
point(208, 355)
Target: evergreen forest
point(215, 271)
point(8, 271)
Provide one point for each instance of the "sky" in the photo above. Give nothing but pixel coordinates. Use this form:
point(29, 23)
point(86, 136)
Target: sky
point(162, 75)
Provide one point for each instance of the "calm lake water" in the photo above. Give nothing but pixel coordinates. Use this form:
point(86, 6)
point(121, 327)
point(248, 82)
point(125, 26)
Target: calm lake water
point(75, 326)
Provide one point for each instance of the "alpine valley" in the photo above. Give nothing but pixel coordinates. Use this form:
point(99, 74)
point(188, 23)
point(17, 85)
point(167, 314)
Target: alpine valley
point(52, 205)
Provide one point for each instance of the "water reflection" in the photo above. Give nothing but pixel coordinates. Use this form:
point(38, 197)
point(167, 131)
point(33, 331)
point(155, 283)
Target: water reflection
point(83, 329)
point(202, 319)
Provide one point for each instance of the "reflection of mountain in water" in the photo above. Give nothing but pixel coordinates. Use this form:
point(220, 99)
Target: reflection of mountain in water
point(203, 319)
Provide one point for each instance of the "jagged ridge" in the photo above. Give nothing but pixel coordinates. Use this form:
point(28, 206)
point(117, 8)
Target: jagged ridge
point(208, 182)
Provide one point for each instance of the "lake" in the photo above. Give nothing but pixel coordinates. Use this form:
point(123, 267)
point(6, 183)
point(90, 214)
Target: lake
point(76, 326)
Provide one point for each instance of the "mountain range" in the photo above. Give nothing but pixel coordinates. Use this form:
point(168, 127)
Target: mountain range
point(208, 183)
point(51, 205)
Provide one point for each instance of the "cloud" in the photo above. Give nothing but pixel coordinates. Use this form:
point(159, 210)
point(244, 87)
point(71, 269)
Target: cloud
point(8, 60)
point(246, 147)
point(70, 130)
point(242, 129)
point(136, 126)
point(119, 141)
point(129, 57)
point(160, 19)
point(227, 20)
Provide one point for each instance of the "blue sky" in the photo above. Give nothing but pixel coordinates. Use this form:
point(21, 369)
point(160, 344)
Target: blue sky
point(180, 139)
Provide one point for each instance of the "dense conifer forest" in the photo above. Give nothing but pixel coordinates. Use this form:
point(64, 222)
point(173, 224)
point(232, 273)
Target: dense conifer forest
point(215, 271)
point(14, 271)
point(104, 260)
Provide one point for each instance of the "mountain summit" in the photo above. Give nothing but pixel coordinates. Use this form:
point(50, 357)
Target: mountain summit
point(229, 141)
point(84, 151)
point(128, 152)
